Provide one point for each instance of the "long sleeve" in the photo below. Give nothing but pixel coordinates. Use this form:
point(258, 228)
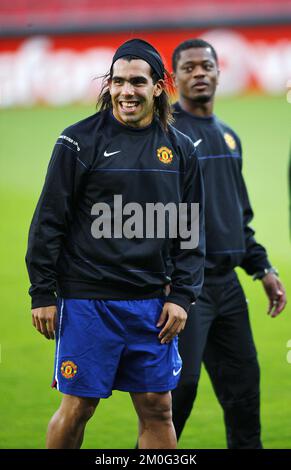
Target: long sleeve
point(51, 217)
point(255, 258)
point(188, 263)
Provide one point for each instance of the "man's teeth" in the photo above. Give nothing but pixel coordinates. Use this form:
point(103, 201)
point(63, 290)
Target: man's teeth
point(128, 105)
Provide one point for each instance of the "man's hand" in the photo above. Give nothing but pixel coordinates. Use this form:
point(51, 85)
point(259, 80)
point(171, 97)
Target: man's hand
point(176, 318)
point(276, 294)
point(44, 320)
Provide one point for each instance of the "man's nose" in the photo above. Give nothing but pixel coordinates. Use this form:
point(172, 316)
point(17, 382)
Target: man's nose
point(128, 89)
point(198, 71)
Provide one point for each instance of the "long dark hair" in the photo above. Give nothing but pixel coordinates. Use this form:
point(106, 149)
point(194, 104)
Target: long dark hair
point(162, 105)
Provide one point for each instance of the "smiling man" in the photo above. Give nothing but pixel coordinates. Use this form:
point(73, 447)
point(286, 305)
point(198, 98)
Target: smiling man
point(218, 330)
point(97, 284)
point(132, 98)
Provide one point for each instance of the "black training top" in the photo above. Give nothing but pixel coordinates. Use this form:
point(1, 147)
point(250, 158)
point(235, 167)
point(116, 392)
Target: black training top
point(93, 161)
point(230, 240)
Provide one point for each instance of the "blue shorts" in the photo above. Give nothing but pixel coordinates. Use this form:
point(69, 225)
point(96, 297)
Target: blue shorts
point(105, 345)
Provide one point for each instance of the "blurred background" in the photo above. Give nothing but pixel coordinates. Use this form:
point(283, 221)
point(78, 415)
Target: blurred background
point(50, 55)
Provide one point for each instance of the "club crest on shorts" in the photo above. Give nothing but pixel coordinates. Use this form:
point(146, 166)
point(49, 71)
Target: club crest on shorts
point(68, 369)
point(165, 155)
point(229, 140)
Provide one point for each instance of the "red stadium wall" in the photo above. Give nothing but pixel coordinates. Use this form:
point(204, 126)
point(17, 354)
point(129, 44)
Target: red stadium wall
point(58, 70)
point(61, 12)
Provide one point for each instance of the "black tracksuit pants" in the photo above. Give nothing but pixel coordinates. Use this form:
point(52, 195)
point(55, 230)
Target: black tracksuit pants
point(218, 332)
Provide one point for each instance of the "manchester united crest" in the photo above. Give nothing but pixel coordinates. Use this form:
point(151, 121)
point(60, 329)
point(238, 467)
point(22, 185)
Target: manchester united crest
point(68, 369)
point(165, 155)
point(229, 140)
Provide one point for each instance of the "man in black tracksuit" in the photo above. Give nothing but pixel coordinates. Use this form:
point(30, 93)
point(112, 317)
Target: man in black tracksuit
point(218, 329)
point(97, 252)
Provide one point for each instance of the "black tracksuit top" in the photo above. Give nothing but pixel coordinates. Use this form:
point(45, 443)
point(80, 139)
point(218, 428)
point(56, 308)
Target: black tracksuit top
point(92, 161)
point(229, 238)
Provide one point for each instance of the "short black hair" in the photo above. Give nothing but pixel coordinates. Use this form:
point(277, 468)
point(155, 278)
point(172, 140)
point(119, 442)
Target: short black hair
point(189, 44)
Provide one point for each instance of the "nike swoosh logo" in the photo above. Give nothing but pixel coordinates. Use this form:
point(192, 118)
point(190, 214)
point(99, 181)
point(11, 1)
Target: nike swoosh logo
point(197, 142)
point(176, 372)
point(111, 153)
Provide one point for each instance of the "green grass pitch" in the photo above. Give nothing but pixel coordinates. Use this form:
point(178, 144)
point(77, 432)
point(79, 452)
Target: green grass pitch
point(26, 367)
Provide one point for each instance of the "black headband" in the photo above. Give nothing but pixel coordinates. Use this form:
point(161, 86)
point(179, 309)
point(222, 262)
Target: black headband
point(143, 50)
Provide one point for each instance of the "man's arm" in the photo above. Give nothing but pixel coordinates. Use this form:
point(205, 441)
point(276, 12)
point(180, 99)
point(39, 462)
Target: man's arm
point(48, 229)
point(256, 263)
point(188, 263)
point(255, 259)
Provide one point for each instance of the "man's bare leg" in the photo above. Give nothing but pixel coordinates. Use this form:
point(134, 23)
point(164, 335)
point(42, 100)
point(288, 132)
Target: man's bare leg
point(156, 430)
point(67, 426)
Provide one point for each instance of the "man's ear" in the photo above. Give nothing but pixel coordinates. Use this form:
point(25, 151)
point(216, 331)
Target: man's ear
point(159, 88)
point(173, 75)
point(109, 83)
point(218, 76)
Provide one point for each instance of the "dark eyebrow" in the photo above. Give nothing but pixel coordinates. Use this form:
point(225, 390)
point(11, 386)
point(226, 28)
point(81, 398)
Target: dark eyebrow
point(139, 79)
point(136, 79)
point(204, 61)
point(115, 77)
